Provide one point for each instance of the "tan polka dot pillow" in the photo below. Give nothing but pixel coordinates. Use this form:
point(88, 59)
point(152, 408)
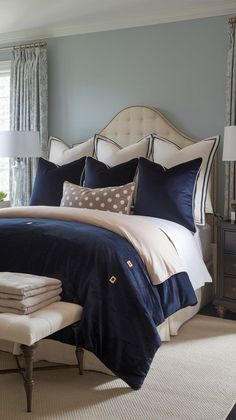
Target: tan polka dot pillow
point(115, 199)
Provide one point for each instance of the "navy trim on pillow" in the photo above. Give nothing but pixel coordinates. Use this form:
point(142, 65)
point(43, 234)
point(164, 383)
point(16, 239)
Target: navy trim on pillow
point(100, 175)
point(207, 174)
point(98, 137)
point(167, 193)
point(48, 184)
point(156, 137)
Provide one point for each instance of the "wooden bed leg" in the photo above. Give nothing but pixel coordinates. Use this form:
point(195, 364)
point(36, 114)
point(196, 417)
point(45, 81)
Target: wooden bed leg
point(220, 311)
point(28, 353)
point(79, 352)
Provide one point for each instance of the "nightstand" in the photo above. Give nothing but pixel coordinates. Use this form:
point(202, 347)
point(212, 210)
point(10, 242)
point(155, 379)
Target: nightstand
point(225, 292)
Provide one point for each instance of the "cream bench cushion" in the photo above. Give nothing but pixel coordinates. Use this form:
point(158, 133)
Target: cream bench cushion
point(28, 329)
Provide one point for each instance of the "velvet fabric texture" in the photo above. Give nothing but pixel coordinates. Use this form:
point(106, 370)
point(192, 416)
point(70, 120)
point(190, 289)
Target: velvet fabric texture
point(99, 175)
point(48, 185)
point(121, 307)
point(167, 193)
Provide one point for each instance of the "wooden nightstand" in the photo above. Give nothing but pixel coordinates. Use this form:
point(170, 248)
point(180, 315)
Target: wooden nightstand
point(225, 296)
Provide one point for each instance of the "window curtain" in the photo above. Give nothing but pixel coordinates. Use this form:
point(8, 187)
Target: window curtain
point(29, 104)
point(230, 167)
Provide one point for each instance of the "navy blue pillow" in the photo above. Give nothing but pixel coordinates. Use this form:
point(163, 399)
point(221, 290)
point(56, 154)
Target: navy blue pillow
point(99, 175)
point(167, 193)
point(48, 184)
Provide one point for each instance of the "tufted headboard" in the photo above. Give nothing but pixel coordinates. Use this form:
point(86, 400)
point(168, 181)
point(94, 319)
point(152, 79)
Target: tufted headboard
point(127, 127)
point(133, 123)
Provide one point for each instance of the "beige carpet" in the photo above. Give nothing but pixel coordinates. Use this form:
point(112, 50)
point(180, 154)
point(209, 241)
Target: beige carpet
point(193, 377)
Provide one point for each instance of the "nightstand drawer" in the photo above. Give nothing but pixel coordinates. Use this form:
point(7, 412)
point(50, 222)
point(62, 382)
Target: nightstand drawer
point(230, 264)
point(229, 288)
point(230, 241)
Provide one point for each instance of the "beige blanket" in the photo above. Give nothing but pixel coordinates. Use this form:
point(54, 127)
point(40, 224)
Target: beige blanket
point(20, 286)
point(24, 304)
point(30, 293)
point(153, 245)
point(30, 309)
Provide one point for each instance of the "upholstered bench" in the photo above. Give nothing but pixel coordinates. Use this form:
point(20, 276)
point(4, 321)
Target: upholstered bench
point(27, 330)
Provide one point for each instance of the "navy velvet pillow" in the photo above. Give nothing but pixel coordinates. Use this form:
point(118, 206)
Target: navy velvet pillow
point(167, 193)
point(48, 184)
point(100, 175)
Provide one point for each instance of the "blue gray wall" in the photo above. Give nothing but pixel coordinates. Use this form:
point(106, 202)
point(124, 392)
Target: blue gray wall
point(179, 68)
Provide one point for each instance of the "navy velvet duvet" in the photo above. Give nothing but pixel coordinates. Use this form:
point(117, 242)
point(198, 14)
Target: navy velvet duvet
point(101, 271)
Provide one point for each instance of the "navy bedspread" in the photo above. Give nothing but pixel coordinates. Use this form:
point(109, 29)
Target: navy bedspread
point(101, 271)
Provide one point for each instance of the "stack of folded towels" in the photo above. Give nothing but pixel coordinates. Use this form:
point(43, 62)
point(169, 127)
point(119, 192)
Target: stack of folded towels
point(26, 293)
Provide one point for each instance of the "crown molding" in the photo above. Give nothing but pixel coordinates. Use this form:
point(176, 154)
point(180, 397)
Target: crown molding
point(56, 31)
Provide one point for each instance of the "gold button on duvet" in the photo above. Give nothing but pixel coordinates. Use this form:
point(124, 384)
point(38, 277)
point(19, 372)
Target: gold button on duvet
point(112, 279)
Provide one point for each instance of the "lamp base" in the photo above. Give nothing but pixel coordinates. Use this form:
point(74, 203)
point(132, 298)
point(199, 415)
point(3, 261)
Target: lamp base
point(233, 211)
point(17, 182)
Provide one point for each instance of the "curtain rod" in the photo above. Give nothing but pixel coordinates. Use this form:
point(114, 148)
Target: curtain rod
point(232, 20)
point(36, 44)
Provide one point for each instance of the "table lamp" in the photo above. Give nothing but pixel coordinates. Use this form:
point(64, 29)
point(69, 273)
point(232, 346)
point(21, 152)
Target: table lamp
point(18, 145)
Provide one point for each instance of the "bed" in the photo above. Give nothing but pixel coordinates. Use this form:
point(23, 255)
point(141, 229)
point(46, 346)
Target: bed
point(127, 137)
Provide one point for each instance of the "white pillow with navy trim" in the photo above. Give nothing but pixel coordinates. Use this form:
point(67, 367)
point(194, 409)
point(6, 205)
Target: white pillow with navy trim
point(60, 153)
point(111, 153)
point(168, 154)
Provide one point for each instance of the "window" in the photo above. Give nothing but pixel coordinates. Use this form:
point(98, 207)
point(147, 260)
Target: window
point(4, 119)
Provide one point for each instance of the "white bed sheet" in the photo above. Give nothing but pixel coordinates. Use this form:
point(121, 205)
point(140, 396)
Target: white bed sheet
point(188, 247)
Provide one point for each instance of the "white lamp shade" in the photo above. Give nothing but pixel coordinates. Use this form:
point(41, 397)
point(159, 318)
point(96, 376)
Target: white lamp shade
point(229, 145)
point(19, 144)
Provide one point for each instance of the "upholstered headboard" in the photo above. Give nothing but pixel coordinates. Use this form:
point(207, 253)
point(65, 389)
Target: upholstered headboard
point(127, 127)
point(133, 123)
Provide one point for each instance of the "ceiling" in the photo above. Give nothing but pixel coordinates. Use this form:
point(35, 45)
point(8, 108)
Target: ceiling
point(22, 20)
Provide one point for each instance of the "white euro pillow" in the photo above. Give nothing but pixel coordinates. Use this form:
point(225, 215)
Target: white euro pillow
point(60, 153)
point(111, 153)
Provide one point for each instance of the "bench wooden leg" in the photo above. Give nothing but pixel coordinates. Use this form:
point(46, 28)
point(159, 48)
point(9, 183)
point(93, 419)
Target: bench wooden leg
point(28, 353)
point(79, 352)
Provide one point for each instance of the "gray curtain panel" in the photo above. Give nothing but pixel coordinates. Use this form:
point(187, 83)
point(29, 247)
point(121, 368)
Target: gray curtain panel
point(230, 167)
point(29, 104)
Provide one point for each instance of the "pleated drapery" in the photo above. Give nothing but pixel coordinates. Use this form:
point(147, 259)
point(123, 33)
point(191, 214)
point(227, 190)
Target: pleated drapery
point(230, 167)
point(29, 104)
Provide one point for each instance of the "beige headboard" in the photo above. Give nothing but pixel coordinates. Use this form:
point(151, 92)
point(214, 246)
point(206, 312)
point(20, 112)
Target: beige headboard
point(133, 123)
point(127, 127)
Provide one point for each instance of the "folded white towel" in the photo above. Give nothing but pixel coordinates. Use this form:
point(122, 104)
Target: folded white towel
point(30, 309)
point(21, 284)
